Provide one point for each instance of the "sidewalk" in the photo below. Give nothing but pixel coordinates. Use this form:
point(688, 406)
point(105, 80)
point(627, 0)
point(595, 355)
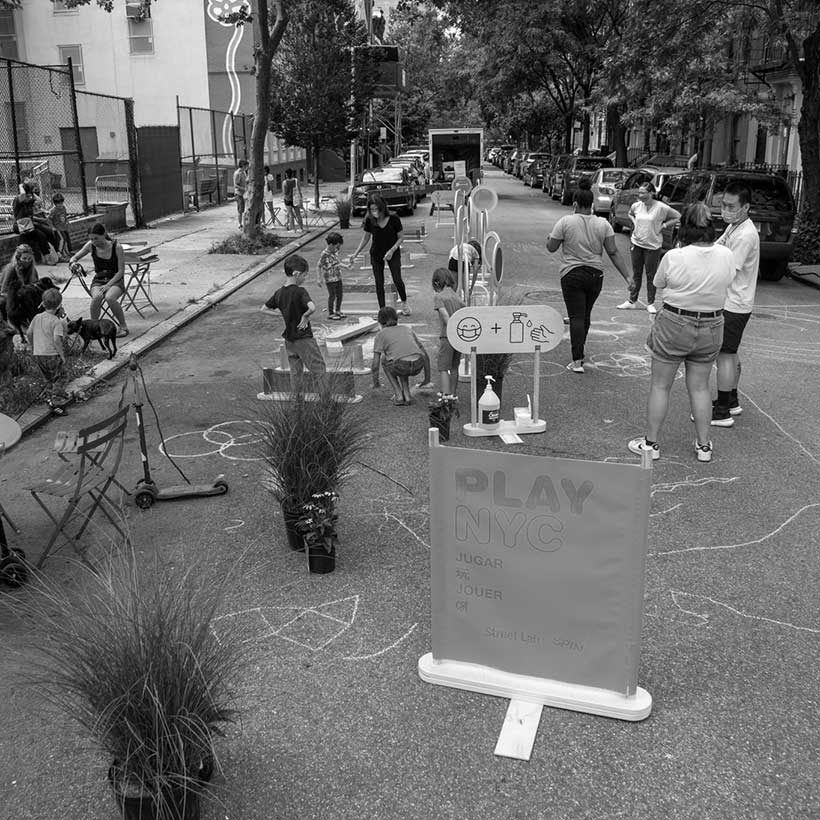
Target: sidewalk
point(185, 282)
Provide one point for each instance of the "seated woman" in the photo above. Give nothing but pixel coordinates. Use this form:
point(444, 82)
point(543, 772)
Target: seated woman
point(31, 231)
point(22, 266)
point(108, 283)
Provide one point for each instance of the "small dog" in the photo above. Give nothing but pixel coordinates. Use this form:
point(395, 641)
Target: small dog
point(103, 330)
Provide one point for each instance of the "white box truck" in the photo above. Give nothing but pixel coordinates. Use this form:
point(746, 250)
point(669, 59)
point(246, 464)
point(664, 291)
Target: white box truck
point(455, 152)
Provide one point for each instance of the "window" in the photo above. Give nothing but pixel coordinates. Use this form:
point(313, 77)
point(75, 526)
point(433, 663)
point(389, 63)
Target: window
point(8, 36)
point(141, 35)
point(76, 55)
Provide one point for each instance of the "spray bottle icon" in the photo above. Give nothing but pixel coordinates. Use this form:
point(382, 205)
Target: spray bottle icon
point(517, 329)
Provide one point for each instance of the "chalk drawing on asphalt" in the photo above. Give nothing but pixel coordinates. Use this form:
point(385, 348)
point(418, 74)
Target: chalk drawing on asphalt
point(309, 627)
point(751, 543)
point(694, 605)
point(233, 440)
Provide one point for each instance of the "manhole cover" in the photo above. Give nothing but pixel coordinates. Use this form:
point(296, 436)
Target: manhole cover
point(538, 297)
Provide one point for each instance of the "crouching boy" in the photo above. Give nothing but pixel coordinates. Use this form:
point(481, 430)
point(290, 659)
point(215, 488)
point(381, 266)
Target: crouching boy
point(404, 356)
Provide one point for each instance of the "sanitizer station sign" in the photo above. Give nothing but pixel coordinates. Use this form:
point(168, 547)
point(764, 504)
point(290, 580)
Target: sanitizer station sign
point(505, 329)
point(538, 564)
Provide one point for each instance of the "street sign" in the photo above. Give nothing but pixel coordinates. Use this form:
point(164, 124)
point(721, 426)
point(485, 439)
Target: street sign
point(483, 199)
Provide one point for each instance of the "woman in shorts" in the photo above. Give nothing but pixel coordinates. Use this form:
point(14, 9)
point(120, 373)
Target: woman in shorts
point(689, 327)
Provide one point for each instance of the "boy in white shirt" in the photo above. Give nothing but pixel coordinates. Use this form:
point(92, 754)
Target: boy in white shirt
point(46, 335)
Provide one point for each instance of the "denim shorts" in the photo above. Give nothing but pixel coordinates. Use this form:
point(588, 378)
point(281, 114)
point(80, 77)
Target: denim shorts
point(447, 359)
point(674, 338)
point(405, 366)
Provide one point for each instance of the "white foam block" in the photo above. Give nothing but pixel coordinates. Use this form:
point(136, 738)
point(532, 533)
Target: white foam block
point(518, 731)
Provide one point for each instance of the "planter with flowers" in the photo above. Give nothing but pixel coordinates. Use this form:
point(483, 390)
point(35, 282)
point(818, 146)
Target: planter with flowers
point(441, 410)
point(344, 208)
point(317, 527)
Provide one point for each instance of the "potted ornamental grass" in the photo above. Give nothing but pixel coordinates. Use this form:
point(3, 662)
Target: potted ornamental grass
point(344, 209)
point(308, 445)
point(441, 411)
point(131, 656)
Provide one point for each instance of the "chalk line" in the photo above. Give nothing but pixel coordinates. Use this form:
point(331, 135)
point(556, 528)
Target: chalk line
point(381, 651)
point(401, 523)
point(690, 482)
point(663, 512)
point(704, 618)
point(741, 544)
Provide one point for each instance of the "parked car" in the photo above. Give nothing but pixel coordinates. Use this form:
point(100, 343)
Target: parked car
point(772, 210)
point(565, 181)
point(414, 169)
point(534, 172)
point(628, 193)
point(501, 158)
point(514, 156)
point(605, 184)
point(529, 158)
point(550, 171)
point(393, 185)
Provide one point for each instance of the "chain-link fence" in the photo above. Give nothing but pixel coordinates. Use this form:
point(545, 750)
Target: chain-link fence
point(40, 141)
point(211, 144)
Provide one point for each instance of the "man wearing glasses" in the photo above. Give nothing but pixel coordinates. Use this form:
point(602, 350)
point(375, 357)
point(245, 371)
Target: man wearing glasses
point(742, 239)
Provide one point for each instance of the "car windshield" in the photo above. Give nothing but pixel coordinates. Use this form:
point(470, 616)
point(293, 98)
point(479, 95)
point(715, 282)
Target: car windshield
point(767, 193)
point(383, 176)
point(613, 175)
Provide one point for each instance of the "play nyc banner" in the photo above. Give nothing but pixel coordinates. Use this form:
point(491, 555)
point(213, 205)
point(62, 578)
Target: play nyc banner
point(538, 565)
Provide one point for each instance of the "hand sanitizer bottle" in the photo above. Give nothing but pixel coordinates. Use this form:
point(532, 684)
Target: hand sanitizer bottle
point(517, 328)
point(489, 407)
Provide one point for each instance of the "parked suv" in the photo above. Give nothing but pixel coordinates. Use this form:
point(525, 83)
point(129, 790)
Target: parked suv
point(624, 198)
point(772, 211)
point(566, 180)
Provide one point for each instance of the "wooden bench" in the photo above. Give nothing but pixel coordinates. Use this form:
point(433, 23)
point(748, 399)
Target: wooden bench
point(204, 187)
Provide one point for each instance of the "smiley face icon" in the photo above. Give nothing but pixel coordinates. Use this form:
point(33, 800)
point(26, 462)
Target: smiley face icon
point(468, 329)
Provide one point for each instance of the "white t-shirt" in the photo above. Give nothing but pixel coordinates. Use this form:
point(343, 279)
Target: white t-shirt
point(648, 223)
point(696, 277)
point(582, 240)
point(744, 242)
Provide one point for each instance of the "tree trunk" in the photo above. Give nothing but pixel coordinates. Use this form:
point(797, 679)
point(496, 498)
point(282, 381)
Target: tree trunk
point(315, 151)
point(266, 39)
point(585, 132)
point(808, 128)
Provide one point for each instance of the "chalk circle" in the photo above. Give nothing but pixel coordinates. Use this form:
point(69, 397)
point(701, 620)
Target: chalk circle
point(220, 439)
point(484, 199)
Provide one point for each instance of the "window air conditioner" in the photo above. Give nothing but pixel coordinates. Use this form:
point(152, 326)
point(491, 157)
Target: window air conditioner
point(136, 9)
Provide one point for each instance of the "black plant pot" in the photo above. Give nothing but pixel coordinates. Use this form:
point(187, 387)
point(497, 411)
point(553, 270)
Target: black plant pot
point(295, 539)
point(441, 421)
point(179, 804)
point(344, 223)
point(320, 561)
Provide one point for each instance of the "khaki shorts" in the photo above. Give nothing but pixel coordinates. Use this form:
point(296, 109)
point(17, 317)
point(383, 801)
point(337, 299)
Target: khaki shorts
point(448, 359)
point(406, 365)
point(674, 338)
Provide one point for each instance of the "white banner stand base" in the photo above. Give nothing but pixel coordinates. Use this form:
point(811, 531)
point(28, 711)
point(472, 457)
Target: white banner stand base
point(506, 427)
point(489, 681)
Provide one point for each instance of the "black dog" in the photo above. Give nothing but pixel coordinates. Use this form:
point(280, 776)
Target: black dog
point(104, 331)
point(23, 303)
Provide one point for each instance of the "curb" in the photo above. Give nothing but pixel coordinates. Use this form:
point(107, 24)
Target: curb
point(167, 327)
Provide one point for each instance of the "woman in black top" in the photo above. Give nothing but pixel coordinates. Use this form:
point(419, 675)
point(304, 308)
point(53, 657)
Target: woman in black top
point(386, 231)
point(108, 283)
point(31, 231)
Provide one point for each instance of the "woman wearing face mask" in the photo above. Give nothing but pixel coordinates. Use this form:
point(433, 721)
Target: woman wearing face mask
point(649, 218)
point(108, 284)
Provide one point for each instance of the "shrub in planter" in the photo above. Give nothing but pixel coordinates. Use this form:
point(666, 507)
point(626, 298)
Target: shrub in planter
point(308, 447)
point(133, 659)
point(344, 208)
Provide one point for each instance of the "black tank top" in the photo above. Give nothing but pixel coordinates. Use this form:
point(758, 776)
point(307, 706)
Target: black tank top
point(105, 269)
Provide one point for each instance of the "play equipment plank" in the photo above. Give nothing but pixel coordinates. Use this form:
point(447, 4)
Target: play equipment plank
point(349, 331)
point(519, 729)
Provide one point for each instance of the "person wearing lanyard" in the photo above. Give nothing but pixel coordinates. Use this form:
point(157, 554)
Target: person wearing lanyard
point(742, 239)
point(689, 328)
point(649, 217)
point(386, 231)
point(108, 283)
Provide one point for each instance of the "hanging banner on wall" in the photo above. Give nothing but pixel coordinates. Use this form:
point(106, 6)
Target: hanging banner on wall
point(538, 569)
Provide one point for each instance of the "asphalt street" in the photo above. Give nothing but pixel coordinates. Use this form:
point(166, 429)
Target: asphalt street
point(336, 723)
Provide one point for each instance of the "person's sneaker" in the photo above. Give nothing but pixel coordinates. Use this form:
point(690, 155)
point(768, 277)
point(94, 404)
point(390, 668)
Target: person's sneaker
point(703, 451)
point(651, 309)
point(576, 367)
point(627, 305)
point(721, 417)
point(334, 317)
point(405, 309)
point(639, 446)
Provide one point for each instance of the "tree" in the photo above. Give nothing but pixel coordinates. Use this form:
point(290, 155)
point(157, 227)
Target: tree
point(269, 19)
point(313, 101)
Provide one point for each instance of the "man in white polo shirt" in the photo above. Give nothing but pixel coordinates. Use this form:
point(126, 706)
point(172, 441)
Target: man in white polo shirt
point(742, 239)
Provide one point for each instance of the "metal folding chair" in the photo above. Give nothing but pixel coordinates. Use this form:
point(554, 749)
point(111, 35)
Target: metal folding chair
point(137, 292)
point(91, 458)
